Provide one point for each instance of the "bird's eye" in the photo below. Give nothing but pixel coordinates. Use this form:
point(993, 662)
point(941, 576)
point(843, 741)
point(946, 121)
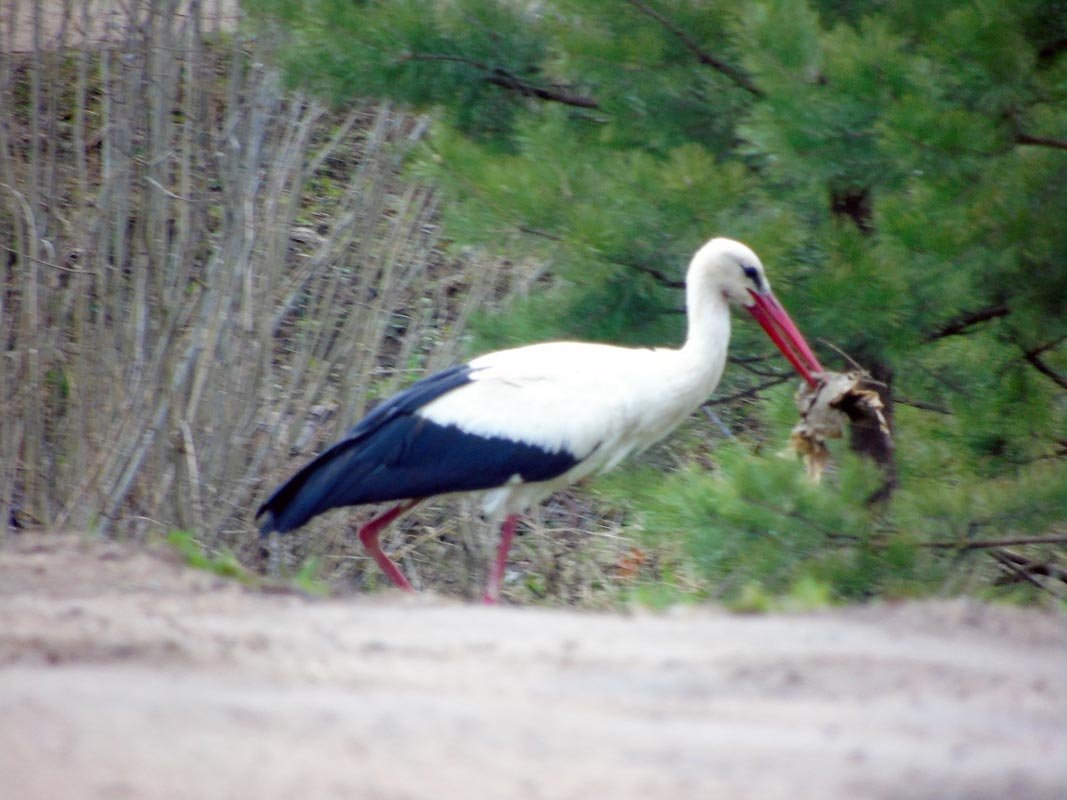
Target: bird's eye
point(752, 274)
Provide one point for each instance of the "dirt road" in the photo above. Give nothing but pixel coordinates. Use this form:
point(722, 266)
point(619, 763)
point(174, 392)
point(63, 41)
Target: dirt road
point(125, 675)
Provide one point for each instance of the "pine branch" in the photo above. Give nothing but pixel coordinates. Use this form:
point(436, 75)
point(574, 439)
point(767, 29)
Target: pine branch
point(702, 55)
point(506, 80)
point(498, 76)
point(1041, 348)
point(1041, 141)
point(1034, 359)
point(959, 325)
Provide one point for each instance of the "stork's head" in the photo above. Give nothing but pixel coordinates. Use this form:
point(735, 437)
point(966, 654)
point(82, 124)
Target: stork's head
point(734, 270)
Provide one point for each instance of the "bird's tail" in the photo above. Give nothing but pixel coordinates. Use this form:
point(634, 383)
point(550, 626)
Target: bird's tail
point(322, 484)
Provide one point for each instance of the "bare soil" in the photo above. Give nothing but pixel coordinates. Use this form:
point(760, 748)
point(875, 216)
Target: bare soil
point(124, 674)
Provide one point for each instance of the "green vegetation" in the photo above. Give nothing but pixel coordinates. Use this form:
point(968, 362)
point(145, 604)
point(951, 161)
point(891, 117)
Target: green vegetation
point(223, 563)
point(902, 170)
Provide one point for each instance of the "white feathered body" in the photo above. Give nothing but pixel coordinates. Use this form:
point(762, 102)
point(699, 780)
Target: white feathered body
point(599, 402)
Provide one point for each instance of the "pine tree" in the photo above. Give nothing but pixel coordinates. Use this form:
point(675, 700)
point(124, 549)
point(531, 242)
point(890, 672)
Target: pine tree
point(902, 170)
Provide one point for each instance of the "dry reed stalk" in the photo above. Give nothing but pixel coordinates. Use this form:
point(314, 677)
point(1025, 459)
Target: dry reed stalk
point(179, 292)
point(207, 280)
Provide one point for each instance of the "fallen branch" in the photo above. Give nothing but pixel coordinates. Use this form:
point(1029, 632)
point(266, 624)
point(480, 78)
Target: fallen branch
point(1018, 573)
point(1031, 567)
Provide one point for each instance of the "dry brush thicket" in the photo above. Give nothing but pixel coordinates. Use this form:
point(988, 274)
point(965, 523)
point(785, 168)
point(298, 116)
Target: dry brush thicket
point(205, 278)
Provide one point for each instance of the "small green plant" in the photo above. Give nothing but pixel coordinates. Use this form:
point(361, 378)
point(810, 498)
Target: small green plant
point(222, 563)
point(307, 578)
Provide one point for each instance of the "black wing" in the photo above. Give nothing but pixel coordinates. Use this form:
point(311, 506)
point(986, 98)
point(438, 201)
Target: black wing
point(395, 454)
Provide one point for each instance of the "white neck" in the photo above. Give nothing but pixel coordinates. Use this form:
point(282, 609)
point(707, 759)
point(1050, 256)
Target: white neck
point(708, 336)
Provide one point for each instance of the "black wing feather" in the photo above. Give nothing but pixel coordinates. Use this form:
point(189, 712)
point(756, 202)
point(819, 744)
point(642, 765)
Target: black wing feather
point(395, 454)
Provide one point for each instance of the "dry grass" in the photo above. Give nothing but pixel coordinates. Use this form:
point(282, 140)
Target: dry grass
point(205, 279)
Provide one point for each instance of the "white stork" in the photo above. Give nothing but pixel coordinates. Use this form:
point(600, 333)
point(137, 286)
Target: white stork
point(516, 425)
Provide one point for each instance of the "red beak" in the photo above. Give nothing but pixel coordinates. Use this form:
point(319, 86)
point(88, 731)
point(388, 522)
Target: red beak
point(770, 314)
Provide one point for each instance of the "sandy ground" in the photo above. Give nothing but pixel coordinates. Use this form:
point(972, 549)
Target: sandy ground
point(125, 675)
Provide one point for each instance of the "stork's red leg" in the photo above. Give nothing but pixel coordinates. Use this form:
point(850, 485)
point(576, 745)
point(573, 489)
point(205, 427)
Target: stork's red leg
point(496, 577)
point(369, 534)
